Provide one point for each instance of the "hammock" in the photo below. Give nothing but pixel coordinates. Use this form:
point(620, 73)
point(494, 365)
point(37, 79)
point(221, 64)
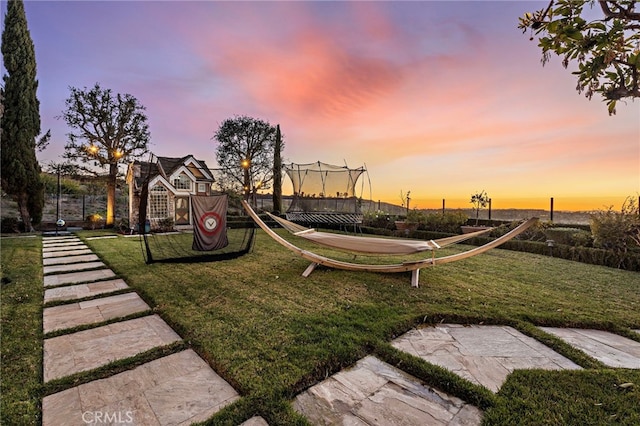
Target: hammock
point(413, 266)
point(371, 245)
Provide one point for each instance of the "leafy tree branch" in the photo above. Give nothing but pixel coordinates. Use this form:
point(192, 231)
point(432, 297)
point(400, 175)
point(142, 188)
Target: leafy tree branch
point(606, 50)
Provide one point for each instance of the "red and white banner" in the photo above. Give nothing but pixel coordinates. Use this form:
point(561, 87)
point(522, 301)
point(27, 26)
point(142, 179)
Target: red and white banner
point(210, 216)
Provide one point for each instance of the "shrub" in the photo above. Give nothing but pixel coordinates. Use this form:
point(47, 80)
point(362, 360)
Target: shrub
point(416, 216)
point(94, 220)
point(378, 219)
point(163, 225)
point(9, 225)
point(617, 231)
point(449, 221)
point(569, 236)
point(535, 233)
point(67, 186)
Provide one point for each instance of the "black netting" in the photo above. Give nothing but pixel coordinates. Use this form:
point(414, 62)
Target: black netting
point(166, 218)
point(321, 187)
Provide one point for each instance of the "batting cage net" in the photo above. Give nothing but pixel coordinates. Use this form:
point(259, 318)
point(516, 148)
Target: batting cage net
point(181, 227)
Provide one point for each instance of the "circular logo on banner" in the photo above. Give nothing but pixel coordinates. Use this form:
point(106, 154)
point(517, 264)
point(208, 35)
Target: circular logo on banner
point(210, 223)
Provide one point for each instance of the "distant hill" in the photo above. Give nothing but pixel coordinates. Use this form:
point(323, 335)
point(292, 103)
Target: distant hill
point(563, 217)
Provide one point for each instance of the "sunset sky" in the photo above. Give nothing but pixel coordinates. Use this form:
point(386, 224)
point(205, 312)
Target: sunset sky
point(442, 99)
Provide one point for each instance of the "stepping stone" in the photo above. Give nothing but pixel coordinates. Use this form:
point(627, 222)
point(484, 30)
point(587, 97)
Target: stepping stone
point(102, 238)
point(59, 238)
point(48, 244)
point(60, 234)
point(484, 355)
point(63, 246)
point(78, 277)
point(92, 311)
point(69, 259)
point(608, 348)
point(81, 291)
point(255, 421)
point(374, 392)
point(89, 349)
point(79, 246)
point(179, 389)
point(72, 267)
point(66, 253)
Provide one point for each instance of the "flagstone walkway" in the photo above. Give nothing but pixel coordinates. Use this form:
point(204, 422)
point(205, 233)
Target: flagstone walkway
point(484, 355)
point(610, 349)
point(180, 389)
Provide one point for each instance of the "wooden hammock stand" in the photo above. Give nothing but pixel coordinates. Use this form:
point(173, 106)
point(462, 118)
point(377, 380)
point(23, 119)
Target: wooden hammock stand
point(413, 266)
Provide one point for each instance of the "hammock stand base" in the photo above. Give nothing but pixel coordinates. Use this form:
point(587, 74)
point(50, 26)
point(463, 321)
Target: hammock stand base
point(412, 266)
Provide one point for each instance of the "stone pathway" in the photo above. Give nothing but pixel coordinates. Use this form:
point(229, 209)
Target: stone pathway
point(69, 259)
point(177, 389)
point(484, 355)
point(375, 393)
point(608, 348)
point(80, 291)
point(92, 311)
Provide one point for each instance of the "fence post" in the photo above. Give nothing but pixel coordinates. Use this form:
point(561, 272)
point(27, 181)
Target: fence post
point(443, 206)
point(551, 210)
point(489, 208)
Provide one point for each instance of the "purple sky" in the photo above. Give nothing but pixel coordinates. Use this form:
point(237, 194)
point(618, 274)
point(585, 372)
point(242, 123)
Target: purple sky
point(440, 98)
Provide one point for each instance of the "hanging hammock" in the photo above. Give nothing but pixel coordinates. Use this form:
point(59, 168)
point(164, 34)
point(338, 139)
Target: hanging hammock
point(413, 266)
point(371, 245)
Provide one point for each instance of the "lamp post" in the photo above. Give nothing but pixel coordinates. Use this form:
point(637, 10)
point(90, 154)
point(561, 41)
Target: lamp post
point(58, 202)
point(246, 167)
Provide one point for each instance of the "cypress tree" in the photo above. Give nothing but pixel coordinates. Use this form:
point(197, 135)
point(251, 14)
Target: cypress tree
point(21, 117)
point(277, 172)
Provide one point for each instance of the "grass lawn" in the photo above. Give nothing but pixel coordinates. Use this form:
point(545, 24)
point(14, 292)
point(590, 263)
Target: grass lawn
point(21, 334)
point(271, 333)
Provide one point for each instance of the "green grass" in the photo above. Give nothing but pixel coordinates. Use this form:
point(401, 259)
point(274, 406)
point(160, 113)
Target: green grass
point(21, 306)
point(271, 333)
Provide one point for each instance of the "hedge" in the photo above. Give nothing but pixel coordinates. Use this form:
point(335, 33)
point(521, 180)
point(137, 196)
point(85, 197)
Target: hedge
point(630, 261)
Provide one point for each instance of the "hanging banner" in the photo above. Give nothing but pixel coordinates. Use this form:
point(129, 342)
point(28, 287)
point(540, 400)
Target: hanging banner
point(210, 216)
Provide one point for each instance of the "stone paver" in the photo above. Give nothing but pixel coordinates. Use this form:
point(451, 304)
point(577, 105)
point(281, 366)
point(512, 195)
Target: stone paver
point(81, 291)
point(178, 389)
point(53, 238)
point(78, 277)
point(89, 349)
point(92, 311)
point(484, 355)
point(608, 348)
point(67, 247)
point(68, 243)
point(71, 267)
point(66, 253)
point(102, 237)
point(69, 259)
point(255, 421)
point(375, 393)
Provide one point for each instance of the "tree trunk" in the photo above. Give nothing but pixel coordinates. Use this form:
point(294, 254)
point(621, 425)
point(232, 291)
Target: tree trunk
point(111, 194)
point(277, 173)
point(22, 200)
point(247, 184)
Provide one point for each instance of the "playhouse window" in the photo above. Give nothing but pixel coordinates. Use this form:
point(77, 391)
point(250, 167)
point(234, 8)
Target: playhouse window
point(182, 182)
point(158, 202)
